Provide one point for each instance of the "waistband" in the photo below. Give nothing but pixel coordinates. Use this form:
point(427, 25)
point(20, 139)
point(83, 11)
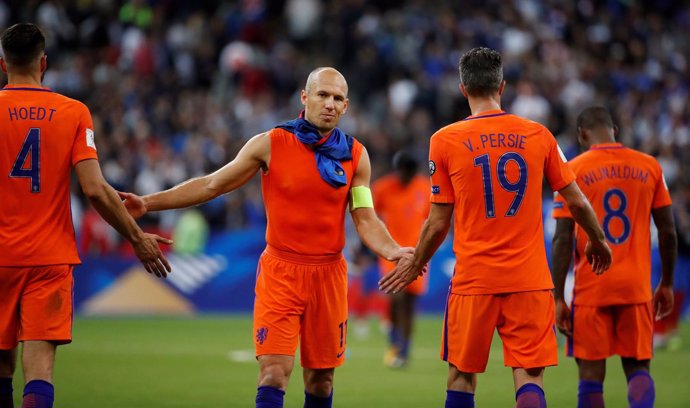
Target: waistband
point(303, 259)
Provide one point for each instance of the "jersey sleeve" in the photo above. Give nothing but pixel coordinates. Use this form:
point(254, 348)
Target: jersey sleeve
point(556, 168)
point(441, 185)
point(662, 198)
point(560, 207)
point(84, 146)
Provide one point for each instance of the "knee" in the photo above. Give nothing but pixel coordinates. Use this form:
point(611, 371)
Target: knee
point(8, 363)
point(631, 365)
point(274, 375)
point(592, 372)
point(320, 383)
point(461, 381)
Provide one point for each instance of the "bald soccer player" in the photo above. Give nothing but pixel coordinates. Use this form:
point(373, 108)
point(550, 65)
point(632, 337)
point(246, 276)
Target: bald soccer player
point(487, 170)
point(614, 313)
point(310, 171)
point(45, 136)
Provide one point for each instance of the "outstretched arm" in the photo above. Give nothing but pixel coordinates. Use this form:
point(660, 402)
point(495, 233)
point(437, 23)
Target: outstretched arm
point(254, 155)
point(561, 256)
point(668, 249)
point(105, 200)
point(433, 233)
point(597, 251)
point(370, 228)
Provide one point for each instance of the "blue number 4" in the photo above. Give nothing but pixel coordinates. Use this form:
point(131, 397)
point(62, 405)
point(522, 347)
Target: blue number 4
point(519, 187)
point(32, 145)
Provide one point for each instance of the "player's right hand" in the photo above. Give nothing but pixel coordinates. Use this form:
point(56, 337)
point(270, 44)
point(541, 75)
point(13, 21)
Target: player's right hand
point(598, 255)
point(151, 256)
point(134, 204)
point(563, 318)
point(662, 301)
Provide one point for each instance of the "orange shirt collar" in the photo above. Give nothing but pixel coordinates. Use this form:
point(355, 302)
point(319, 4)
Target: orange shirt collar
point(602, 146)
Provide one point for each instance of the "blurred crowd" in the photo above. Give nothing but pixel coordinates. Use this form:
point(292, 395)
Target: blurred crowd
point(176, 87)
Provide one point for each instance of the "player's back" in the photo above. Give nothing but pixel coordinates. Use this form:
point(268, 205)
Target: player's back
point(41, 133)
point(623, 186)
point(494, 164)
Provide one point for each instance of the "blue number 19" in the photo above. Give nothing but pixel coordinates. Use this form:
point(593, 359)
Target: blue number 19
point(32, 145)
point(519, 187)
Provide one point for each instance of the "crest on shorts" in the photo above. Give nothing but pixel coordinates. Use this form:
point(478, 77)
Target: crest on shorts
point(432, 167)
point(261, 335)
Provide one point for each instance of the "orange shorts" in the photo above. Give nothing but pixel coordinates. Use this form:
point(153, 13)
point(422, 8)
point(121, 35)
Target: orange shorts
point(524, 320)
point(600, 332)
point(305, 299)
point(36, 304)
point(417, 287)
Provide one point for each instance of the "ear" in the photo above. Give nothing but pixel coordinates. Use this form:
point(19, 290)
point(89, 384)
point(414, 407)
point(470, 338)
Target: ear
point(346, 104)
point(583, 137)
point(616, 129)
point(2, 65)
point(303, 97)
point(44, 63)
point(463, 90)
point(501, 87)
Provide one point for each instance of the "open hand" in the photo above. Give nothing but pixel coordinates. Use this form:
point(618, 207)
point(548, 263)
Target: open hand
point(402, 275)
point(151, 256)
point(563, 321)
point(598, 255)
point(134, 204)
point(662, 301)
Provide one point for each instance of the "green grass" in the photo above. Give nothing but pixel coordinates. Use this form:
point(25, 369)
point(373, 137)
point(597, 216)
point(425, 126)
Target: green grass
point(131, 363)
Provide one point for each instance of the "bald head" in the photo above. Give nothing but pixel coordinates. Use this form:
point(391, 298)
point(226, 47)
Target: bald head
point(324, 98)
point(324, 74)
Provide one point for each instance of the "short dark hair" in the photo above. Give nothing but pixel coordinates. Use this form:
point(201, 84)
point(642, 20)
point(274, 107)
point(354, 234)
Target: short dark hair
point(481, 71)
point(404, 161)
point(22, 44)
point(594, 117)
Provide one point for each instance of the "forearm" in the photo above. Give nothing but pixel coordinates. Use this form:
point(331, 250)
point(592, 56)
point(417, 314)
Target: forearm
point(187, 194)
point(376, 237)
point(108, 205)
point(561, 256)
point(584, 216)
point(430, 239)
point(668, 250)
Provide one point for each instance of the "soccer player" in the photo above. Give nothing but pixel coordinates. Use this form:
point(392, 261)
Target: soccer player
point(488, 169)
point(44, 136)
point(614, 313)
point(310, 170)
point(402, 203)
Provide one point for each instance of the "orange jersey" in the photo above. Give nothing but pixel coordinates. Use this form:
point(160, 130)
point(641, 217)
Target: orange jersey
point(623, 186)
point(44, 134)
point(491, 167)
point(305, 214)
point(403, 208)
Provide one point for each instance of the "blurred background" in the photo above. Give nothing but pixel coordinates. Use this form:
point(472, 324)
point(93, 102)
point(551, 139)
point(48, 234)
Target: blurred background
point(177, 87)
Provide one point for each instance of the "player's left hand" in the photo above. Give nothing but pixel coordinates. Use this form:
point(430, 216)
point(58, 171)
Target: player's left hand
point(402, 275)
point(662, 301)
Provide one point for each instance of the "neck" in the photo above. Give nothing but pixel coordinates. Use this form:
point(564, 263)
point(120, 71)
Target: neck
point(483, 104)
point(24, 79)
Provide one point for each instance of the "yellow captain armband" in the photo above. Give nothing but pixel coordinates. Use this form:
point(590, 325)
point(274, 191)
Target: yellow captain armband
point(360, 197)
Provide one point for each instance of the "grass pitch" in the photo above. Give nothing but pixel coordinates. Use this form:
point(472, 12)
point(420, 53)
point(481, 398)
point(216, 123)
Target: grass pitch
point(209, 362)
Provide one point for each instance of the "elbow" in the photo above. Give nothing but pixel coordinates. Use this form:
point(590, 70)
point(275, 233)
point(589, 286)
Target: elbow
point(96, 193)
point(668, 237)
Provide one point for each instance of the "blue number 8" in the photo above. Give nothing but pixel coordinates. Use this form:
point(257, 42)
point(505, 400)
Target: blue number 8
point(612, 213)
